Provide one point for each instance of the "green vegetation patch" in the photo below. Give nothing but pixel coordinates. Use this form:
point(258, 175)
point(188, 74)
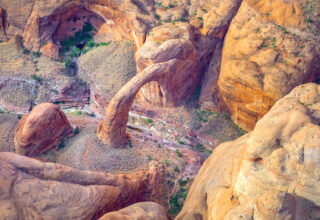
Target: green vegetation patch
point(177, 199)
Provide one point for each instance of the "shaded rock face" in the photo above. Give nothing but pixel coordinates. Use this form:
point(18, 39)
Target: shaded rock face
point(270, 173)
point(143, 210)
point(45, 126)
point(2, 25)
point(269, 49)
point(31, 189)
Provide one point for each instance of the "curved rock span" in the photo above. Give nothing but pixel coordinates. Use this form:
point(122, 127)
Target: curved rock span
point(112, 130)
point(31, 189)
point(270, 173)
point(45, 126)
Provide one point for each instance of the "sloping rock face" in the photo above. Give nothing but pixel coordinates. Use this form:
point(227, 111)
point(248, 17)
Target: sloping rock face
point(270, 47)
point(143, 210)
point(45, 126)
point(270, 173)
point(166, 42)
point(31, 189)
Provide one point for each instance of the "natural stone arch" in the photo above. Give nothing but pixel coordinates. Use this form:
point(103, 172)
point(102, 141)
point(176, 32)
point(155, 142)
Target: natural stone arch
point(44, 21)
point(112, 130)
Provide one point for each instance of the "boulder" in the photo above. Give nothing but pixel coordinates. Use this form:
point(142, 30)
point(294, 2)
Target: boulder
point(44, 127)
point(270, 173)
point(50, 50)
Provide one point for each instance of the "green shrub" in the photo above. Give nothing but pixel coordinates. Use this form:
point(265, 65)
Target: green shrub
point(76, 130)
point(25, 51)
point(148, 121)
point(199, 18)
point(36, 54)
point(176, 169)
point(61, 145)
point(130, 143)
point(81, 36)
point(105, 44)
point(68, 62)
point(180, 141)
point(156, 16)
point(75, 52)
point(177, 200)
point(36, 78)
point(179, 154)
point(78, 112)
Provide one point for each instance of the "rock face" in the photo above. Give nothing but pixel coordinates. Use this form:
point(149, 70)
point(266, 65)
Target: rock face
point(270, 47)
point(270, 173)
point(2, 25)
point(45, 126)
point(17, 13)
point(50, 50)
point(143, 210)
point(164, 43)
point(33, 189)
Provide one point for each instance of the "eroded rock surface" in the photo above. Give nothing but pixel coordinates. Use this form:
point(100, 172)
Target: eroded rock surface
point(164, 43)
point(33, 189)
point(45, 126)
point(271, 173)
point(142, 211)
point(270, 47)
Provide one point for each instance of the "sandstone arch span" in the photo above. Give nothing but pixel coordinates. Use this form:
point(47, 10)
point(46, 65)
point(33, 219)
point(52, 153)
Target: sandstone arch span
point(112, 130)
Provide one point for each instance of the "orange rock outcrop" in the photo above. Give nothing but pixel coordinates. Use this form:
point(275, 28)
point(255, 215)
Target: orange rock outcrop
point(41, 129)
point(270, 173)
point(142, 210)
point(268, 50)
point(33, 189)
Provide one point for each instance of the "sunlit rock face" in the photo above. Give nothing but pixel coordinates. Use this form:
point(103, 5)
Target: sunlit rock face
point(44, 127)
point(270, 47)
point(143, 210)
point(34, 189)
point(270, 173)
